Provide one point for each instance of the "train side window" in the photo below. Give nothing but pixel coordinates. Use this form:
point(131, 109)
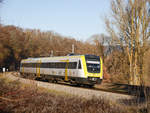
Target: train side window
point(50, 65)
point(72, 65)
point(79, 65)
point(75, 65)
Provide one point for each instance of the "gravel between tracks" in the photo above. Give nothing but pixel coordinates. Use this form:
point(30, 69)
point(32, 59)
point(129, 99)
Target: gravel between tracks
point(77, 91)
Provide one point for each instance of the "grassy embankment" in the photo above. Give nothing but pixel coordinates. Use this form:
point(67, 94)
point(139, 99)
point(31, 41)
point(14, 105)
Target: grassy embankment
point(16, 97)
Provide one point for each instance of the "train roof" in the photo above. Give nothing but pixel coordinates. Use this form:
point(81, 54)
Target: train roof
point(68, 56)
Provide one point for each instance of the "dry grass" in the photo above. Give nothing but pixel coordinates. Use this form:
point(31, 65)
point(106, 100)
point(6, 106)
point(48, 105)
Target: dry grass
point(17, 99)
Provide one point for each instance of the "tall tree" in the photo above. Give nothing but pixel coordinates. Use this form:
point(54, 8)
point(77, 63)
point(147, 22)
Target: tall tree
point(129, 26)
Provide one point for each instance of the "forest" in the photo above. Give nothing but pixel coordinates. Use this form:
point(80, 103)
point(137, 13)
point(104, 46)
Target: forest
point(17, 43)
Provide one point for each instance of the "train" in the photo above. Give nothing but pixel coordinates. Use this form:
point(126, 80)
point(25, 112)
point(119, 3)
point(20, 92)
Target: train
point(75, 69)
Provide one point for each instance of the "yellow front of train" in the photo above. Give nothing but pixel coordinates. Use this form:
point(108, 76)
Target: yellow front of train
point(93, 69)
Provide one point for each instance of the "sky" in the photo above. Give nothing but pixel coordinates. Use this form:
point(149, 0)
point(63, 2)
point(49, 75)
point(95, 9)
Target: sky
point(79, 19)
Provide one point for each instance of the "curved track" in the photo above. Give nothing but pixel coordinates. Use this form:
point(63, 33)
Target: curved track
point(83, 92)
point(79, 86)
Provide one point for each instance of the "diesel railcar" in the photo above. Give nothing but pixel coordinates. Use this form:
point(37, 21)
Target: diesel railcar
point(79, 69)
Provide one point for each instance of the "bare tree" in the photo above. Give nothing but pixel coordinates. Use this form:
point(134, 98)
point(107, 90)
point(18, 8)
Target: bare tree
point(129, 26)
point(101, 43)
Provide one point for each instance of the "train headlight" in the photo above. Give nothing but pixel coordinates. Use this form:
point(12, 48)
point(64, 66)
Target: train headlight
point(92, 79)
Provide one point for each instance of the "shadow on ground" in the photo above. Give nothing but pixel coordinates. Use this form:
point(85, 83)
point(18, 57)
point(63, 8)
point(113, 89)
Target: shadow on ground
point(141, 94)
point(129, 89)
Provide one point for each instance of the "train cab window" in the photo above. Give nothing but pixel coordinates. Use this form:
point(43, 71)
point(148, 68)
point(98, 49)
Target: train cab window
point(79, 65)
point(93, 64)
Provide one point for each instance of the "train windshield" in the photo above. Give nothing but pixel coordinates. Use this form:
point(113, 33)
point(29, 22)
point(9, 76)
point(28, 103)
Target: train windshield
point(93, 64)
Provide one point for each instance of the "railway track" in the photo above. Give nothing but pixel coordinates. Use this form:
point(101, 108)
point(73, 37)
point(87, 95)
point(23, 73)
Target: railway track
point(84, 92)
point(81, 86)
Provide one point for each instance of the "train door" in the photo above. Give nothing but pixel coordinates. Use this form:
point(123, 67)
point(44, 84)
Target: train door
point(66, 70)
point(38, 68)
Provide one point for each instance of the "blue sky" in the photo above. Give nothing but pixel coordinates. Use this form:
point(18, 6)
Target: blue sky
point(79, 19)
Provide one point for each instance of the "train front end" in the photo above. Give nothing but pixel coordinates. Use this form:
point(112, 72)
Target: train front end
point(93, 69)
